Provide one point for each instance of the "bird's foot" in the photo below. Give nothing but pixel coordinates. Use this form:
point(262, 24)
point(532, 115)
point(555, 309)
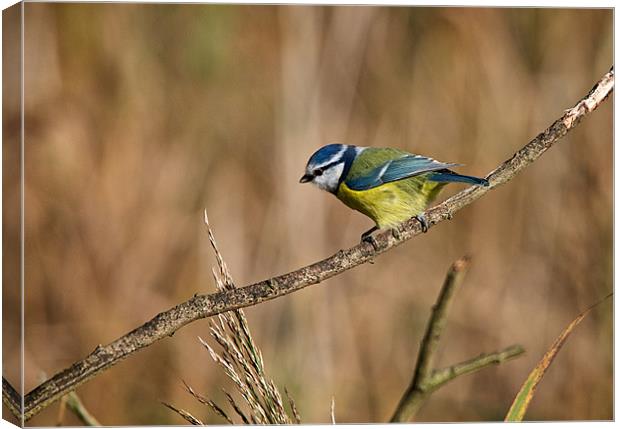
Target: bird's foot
point(367, 237)
point(423, 222)
point(369, 233)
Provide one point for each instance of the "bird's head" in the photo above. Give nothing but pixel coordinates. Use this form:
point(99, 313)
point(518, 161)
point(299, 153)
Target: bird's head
point(327, 166)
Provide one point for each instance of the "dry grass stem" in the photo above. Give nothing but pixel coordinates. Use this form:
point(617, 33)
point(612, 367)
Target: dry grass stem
point(186, 415)
point(62, 407)
point(293, 406)
point(74, 403)
point(241, 360)
point(519, 406)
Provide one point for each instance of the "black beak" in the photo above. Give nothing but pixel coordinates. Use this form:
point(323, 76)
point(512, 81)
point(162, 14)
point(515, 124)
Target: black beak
point(306, 178)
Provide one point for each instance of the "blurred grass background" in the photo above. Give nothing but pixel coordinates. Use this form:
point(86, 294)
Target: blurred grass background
point(139, 116)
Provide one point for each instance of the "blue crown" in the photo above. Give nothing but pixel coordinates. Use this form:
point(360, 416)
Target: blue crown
point(325, 153)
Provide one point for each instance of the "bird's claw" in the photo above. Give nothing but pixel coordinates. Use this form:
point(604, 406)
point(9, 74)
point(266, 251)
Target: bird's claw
point(368, 233)
point(423, 222)
point(369, 238)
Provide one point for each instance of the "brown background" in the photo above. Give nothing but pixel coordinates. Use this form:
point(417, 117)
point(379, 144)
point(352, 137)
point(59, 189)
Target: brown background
point(139, 116)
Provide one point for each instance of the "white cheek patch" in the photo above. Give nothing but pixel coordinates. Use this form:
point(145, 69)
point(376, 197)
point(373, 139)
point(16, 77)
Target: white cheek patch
point(328, 181)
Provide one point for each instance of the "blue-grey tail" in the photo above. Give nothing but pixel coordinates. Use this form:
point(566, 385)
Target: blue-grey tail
point(450, 176)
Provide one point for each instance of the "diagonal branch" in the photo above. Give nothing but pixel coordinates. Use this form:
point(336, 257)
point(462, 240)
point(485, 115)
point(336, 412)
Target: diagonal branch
point(201, 306)
point(11, 399)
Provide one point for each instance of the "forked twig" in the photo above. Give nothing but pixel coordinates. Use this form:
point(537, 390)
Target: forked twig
point(425, 380)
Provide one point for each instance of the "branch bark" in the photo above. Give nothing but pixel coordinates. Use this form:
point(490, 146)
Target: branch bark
point(202, 306)
point(12, 399)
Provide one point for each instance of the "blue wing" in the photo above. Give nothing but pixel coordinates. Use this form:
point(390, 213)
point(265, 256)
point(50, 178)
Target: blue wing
point(396, 169)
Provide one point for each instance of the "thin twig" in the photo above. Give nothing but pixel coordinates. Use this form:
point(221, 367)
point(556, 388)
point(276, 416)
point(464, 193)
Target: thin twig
point(418, 389)
point(200, 306)
point(332, 410)
point(441, 376)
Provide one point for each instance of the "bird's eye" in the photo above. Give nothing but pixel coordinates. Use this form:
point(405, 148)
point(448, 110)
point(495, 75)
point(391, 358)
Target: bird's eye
point(317, 172)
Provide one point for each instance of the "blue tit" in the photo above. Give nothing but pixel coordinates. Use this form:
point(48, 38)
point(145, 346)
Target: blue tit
point(388, 185)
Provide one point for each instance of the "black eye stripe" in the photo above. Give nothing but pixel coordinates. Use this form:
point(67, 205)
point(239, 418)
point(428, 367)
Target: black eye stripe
point(320, 170)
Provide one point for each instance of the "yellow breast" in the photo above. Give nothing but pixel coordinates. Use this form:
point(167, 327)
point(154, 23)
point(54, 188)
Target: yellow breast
point(389, 204)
